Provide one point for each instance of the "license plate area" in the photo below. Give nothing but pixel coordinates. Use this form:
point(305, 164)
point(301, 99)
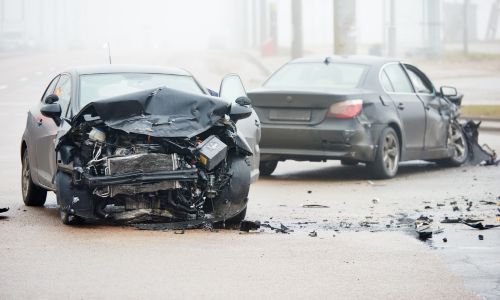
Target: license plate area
point(303, 115)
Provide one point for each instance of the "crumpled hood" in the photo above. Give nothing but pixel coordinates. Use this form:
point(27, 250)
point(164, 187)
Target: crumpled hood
point(161, 112)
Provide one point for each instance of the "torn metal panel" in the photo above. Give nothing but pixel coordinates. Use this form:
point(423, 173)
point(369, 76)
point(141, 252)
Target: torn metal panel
point(159, 112)
point(478, 154)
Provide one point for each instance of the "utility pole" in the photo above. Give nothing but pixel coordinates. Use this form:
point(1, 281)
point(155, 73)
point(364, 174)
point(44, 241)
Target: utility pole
point(344, 18)
point(466, 28)
point(297, 41)
point(391, 42)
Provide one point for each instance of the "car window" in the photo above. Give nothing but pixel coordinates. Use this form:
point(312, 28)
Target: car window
point(318, 75)
point(419, 83)
point(398, 78)
point(50, 88)
point(95, 87)
point(63, 91)
point(386, 83)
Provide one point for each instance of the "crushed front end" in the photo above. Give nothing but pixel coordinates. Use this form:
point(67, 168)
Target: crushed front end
point(114, 167)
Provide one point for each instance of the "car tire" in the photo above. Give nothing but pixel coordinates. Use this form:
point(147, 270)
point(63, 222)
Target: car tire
point(33, 195)
point(387, 155)
point(348, 162)
point(456, 139)
point(267, 167)
point(238, 218)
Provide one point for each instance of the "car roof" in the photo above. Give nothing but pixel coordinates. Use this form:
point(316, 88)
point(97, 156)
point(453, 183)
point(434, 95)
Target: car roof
point(355, 59)
point(107, 69)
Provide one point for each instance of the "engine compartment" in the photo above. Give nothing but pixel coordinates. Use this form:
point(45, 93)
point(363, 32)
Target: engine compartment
point(128, 176)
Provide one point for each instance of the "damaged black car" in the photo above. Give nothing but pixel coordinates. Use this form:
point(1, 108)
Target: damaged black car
point(138, 145)
point(371, 110)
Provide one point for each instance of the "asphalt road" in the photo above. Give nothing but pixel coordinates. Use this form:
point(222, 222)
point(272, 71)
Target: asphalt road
point(43, 259)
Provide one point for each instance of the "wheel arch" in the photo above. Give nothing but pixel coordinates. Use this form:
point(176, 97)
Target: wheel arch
point(24, 146)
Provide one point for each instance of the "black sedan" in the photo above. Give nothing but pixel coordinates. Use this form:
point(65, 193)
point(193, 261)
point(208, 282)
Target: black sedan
point(370, 110)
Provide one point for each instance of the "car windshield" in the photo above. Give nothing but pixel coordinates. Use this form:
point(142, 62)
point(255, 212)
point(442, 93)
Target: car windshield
point(317, 75)
point(95, 87)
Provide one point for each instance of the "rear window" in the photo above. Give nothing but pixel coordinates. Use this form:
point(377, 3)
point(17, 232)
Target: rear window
point(318, 75)
point(95, 87)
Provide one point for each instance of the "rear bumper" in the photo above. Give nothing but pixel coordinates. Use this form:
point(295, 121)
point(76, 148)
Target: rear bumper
point(332, 139)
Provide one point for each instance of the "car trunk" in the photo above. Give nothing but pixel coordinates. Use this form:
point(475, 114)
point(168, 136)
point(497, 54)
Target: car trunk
point(296, 107)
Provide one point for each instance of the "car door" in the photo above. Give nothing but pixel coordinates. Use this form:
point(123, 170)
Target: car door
point(45, 144)
point(37, 130)
point(409, 106)
point(436, 122)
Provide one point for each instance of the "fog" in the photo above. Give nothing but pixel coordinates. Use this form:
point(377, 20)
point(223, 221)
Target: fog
point(236, 24)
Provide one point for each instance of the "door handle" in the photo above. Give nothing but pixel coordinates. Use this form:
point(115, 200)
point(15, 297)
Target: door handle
point(40, 122)
point(401, 106)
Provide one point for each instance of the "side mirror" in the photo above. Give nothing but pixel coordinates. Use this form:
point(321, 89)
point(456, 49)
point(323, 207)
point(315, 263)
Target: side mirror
point(53, 111)
point(245, 101)
point(51, 99)
point(448, 91)
point(451, 94)
point(238, 111)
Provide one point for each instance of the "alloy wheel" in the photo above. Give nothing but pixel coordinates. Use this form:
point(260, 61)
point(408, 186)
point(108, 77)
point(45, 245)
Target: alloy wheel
point(390, 153)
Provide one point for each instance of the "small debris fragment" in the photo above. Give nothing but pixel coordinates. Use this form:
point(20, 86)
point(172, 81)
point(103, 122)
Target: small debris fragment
point(315, 206)
point(246, 225)
point(481, 237)
point(440, 204)
point(423, 228)
point(445, 240)
point(453, 203)
point(181, 231)
point(313, 233)
point(480, 226)
point(4, 209)
point(375, 200)
point(427, 207)
point(487, 202)
point(309, 192)
point(455, 208)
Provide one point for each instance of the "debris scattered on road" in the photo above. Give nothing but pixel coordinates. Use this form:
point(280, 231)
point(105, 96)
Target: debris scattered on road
point(247, 226)
point(309, 192)
point(481, 237)
point(282, 229)
point(455, 208)
point(423, 227)
point(313, 233)
point(440, 204)
point(453, 203)
point(4, 209)
point(375, 200)
point(315, 206)
point(438, 231)
point(484, 202)
point(445, 240)
point(428, 207)
point(480, 226)
point(181, 231)
point(460, 220)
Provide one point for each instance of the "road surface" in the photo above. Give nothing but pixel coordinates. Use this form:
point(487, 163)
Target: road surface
point(43, 259)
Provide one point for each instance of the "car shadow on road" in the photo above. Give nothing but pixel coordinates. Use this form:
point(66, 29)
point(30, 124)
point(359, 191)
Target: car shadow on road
point(352, 173)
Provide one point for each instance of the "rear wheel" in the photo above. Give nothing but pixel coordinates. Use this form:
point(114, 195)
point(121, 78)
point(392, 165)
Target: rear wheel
point(267, 167)
point(386, 160)
point(33, 195)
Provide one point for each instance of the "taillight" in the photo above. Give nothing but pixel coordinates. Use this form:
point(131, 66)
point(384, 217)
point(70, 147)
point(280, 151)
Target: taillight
point(345, 109)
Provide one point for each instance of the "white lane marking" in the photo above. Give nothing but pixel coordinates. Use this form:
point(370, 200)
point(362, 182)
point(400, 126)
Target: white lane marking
point(23, 79)
point(3, 86)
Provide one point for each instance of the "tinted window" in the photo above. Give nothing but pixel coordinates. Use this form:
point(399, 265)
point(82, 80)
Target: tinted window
point(386, 83)
point(63, 91)
point(398, 78)
point(318, 75)
point(96, 87)
point(419, 83)
point(50, 88)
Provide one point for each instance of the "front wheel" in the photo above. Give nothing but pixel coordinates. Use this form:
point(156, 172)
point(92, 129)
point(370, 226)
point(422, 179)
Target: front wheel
point(33, 195)
point(267, 167)
point(456, 139)
point(386, 160)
